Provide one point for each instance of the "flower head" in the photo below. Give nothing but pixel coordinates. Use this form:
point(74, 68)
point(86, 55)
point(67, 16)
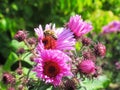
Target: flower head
point(87, 67)
point(78, 26)
point(52, 66)
point(52, 38)
point(112, 27)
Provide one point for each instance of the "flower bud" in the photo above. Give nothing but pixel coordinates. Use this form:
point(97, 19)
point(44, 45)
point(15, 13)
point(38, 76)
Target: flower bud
point(88, 55)
point(86, 41)
point(8, 78)
point(32, 40)
point(20, 87)
point(20, 50)
point(20, 35)
point(32, 58)
point(25, 81)
point(100, 50)
point(87, 67)
point(19, 71)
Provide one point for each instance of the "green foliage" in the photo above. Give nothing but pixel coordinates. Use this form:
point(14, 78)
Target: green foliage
point(11, 59)
point(96, 84)
point(101, 18)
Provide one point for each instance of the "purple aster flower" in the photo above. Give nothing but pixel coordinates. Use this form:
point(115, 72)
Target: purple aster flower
point(52, 38)
point(111, 27)
point(52, 66)
point(78, 26)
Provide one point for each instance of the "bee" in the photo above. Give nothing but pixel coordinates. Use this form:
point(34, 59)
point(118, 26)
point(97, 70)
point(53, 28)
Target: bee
point(51, 33)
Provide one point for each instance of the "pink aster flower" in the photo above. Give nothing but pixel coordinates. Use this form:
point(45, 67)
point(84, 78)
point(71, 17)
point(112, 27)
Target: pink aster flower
point(52, 38)
point(78, 26)
point(111, 27)
point(87, 67)
point(52, 66)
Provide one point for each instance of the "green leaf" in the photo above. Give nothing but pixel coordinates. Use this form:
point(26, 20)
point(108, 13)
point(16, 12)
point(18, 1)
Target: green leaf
point(26, 58)
point(96, 84)
point(14, 6)
point(11, 59)
point(31, 74)
point(3, 24)
point(44, 87)
point(15, 44)
point(2, 86)
point(24, 64)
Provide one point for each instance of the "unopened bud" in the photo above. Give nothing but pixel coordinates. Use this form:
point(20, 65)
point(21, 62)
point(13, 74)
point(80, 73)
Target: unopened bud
point(32, 58)
point(86, 41)
point(32, 40)
point(20, 87)
point(100, 50)
point(19, 71)
point(20, 35)
point(20, 50)
point(88, 55)
point(8, 78)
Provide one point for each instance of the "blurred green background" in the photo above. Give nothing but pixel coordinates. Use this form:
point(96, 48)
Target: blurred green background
point(28, 14)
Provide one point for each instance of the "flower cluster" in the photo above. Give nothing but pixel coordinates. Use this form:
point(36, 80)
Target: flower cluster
point(56, 46)
point(58, 58)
